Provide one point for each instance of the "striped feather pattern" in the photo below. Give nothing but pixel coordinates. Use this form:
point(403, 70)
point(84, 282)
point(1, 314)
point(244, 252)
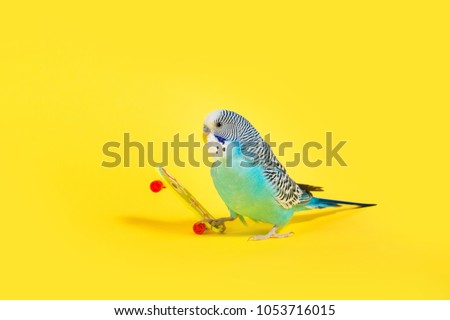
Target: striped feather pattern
point(234, 127)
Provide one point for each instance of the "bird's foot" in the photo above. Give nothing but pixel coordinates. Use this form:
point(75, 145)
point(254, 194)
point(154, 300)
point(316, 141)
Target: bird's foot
point(271, 234)
point(219, 224)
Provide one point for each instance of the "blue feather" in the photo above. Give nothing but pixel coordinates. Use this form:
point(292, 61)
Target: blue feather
point(221, 140)
point(320, 203)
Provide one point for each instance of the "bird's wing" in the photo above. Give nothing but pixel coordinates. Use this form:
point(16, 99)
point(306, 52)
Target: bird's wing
point(287, 192)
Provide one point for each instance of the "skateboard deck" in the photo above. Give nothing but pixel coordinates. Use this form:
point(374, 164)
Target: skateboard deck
point(188, 198)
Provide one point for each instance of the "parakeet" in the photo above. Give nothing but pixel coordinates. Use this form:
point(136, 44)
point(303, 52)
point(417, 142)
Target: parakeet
point(250, 179)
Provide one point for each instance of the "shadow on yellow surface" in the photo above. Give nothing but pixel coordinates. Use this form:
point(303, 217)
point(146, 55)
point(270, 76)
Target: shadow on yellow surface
point(170, 226)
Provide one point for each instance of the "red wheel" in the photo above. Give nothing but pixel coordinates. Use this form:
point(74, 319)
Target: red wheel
point(156, 186)
point(199, 227)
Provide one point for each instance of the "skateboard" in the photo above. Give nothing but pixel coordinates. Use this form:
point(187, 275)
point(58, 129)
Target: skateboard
point(200, 226)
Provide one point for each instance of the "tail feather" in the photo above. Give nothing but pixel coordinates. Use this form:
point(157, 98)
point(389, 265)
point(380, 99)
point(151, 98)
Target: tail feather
point(307, 187)
point(320, 203)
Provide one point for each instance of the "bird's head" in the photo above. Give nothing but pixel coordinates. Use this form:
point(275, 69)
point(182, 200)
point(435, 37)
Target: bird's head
point(225, 126)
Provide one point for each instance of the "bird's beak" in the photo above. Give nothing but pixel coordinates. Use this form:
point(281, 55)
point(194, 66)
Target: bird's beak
point(206, 131)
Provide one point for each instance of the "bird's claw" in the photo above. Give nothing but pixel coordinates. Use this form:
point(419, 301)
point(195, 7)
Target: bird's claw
point(270, 235)
point(217, 225)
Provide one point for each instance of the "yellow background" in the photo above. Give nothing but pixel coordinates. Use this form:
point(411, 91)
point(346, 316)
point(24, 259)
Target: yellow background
point(74, 76)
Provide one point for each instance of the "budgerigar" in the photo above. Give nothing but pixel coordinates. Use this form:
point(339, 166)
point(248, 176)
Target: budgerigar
point(250, 179)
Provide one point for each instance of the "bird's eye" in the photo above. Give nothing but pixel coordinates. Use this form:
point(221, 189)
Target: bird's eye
point(219, 124)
